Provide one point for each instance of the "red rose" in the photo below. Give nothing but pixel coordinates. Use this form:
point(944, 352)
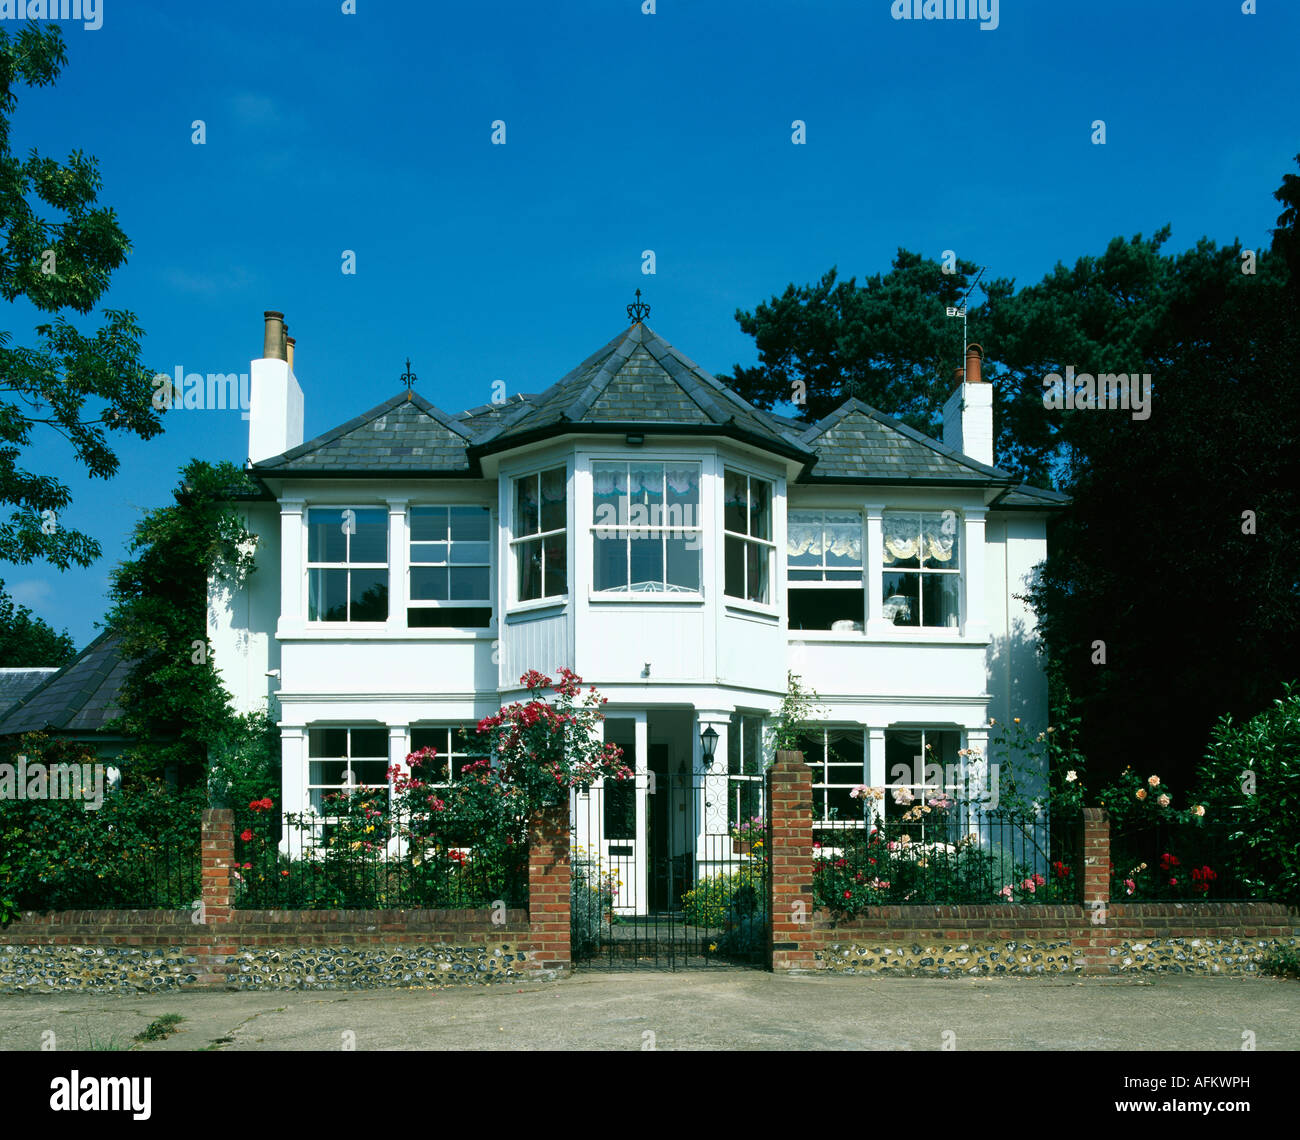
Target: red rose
point(247, 835)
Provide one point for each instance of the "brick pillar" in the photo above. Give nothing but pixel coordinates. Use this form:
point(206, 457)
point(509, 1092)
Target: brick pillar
point(1097, 936)
point(789, 798)
point(218, 855)
point(548, 889)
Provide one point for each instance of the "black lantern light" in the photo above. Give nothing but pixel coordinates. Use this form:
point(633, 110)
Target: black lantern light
point(708, 745)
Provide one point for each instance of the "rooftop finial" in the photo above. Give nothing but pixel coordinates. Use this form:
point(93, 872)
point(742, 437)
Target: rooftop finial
point(408, 377)
point(638, 310)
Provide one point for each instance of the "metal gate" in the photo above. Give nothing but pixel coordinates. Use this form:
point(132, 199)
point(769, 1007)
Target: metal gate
point(670, 871)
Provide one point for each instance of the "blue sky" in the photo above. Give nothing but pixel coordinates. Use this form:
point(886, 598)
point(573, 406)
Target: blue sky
point(625, 132)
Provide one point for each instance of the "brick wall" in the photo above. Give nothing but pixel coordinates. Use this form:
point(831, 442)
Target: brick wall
point(214, 945)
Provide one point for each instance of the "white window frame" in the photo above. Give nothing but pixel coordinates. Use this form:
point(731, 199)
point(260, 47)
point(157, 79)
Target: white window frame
point(959, 572)
point(736, 780)
point(323, 815)
point(449, 604)
point(446, 755)
point(792, 583)
point(822, 782)
point(662, 531)
point(309, 565)
point(743, 600)
point(516, 540)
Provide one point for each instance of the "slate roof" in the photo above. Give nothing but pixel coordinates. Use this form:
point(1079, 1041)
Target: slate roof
point(404, 434)
point(857, 443)
point(635, 380)
point(80, 697)
point(639, 381)
point(17, 683)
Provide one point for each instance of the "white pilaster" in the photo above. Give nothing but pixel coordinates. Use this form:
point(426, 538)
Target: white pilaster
point(293, 785)
point(293, 575)
point(974, 611)
point(398, 560)
point(877, 626)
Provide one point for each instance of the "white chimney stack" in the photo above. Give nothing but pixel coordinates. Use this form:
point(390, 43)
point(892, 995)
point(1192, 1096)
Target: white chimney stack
point(275, 400)
point(968, 414)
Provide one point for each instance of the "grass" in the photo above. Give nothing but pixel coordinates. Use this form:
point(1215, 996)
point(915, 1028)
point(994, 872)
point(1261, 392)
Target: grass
point(93, 1044)
point(160, 1028)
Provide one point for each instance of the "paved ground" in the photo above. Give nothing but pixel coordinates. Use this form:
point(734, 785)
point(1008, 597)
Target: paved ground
point(724, 1009)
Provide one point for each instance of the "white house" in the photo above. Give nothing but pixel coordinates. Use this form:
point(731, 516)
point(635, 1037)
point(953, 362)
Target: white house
point(677, 547)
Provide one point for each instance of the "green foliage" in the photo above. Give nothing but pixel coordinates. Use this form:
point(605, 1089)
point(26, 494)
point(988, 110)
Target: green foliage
point(141, 848)
point(174, 704)
point(592, 890)
point(160, 1028)
point(1283, 962)
point(1250, 780)
point(61, 248)
point(26, 640)
point(800, 707)
point(245, 761)
point(719, 900)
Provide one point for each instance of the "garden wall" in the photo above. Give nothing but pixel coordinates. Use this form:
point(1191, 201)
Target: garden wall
point(153, 951)
point(1024, 940)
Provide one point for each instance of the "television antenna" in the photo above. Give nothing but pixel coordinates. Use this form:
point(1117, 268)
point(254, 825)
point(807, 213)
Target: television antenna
point(959, 310)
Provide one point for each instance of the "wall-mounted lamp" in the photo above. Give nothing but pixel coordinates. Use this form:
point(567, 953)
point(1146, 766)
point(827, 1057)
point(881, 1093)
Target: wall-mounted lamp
point(634, 439)
point(708, 745)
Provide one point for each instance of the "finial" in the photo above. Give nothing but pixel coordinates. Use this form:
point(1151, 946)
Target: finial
point(638, 310)
point(408, 377)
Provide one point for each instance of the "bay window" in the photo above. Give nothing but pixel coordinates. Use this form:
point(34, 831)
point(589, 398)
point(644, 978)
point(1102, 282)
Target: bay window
point(646, 535)
point(744, 769)
point(748, 548)
point(450, 567)
point(539, 535)
point(922, 569)
point(824, 570)
point(347, 564)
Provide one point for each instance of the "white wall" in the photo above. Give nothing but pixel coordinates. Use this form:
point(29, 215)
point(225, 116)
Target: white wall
point(241, 622)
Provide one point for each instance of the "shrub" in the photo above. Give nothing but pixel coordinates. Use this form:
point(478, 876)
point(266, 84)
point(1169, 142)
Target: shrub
point(727, 897)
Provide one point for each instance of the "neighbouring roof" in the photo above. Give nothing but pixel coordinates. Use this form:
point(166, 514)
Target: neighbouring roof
point(80, 697)
point(639, 382)
point(17, 683)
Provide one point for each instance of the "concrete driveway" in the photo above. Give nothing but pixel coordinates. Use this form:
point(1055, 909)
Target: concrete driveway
point(723, 1009)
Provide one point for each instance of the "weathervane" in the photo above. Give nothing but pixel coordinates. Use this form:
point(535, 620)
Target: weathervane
point(638, 310)
point(408, 378)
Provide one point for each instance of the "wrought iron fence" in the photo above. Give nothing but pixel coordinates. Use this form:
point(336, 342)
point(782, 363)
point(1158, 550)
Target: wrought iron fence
point(366, 855)
point(1175, 860)
point(957, 854)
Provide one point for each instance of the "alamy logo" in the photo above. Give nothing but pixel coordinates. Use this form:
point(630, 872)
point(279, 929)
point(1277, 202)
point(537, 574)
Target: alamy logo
point(87, 11)
point(25, 781)
point(75, 1093)
point(647, 520)
point(195, 392)
point(1105, 392)
point(985, 11)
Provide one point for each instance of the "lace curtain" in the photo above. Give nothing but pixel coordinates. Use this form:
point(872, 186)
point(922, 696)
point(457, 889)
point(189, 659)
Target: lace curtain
point(932, 537)
point(839, 535)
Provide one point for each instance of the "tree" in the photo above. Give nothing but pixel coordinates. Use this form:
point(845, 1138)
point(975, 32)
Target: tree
point(59, 249)
point(29, 640)
point(175, 706)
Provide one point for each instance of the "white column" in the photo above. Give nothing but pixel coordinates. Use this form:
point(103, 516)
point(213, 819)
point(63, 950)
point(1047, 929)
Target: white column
point(974, 614)
point(877, 626)
point(293, 576)
point(712, 837)
point(293, 785)
point(977, 767)
point(877, 775)
point(642, 845)
point(398, 555)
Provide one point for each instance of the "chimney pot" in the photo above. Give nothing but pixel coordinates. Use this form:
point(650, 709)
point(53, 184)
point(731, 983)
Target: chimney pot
point(273, 345)
point(974, 355)
point(289, 343)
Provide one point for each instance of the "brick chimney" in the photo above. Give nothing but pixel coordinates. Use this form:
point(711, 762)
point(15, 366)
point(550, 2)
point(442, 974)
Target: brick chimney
point(968, 414)
point(275, 401)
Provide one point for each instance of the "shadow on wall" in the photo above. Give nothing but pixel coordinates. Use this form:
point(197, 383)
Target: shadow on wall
point(1017, 683)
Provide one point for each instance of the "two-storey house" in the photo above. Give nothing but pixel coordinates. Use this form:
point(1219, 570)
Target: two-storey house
point(684, 551)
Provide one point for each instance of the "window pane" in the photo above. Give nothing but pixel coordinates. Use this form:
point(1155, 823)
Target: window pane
point(369, 595)
point(901, 603)
point(426, 737)
point(752, 730)
point(757, 563)
point(370, 542)
point(821, 609)
point(370, 742)
point(526, 507)
point(844, 544)
point(327, 595)
point(608, 491)
point(734, 571)
point(553, 512)
point(620, 809)
point(645, 487)
point(940, 544)
point(735, 501)
point(684, 562)
point(470, 524)
point(609, 560)
point(469, 552)
point(734, 745)
point(939, 600)
point(902, 541)
point(557, 574)
point(683, 496)
point(647, 559)
point(372, 772)
point(326, 541)
point(327, 742)
point(528, 570)
point(904, 762)
point(428, 585)
point(429, 552)
point(803, 543)
point(457, 617)
point(760, 508)
point(428, 524)
point(469, 583)
point(329, 772)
